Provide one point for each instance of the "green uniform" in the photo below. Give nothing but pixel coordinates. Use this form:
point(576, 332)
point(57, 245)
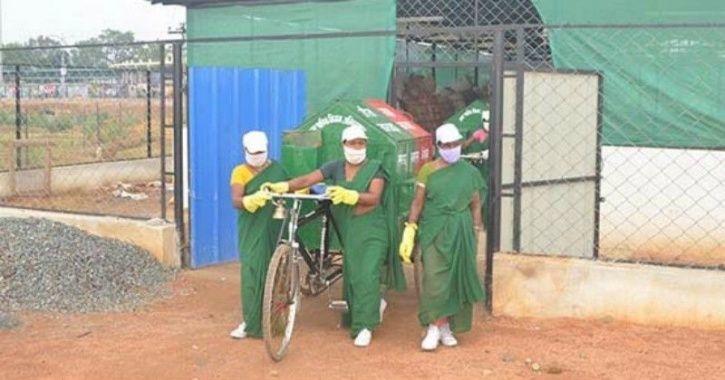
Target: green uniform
point(369, 259)
point(446, 235)
point(258, 233)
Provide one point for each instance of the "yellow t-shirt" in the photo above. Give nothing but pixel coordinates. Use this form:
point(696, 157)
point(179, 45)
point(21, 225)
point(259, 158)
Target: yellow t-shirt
point(241, 175)
point(425, 171)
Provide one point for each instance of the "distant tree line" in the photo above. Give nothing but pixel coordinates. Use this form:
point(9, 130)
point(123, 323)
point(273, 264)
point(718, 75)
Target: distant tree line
point(114, 51)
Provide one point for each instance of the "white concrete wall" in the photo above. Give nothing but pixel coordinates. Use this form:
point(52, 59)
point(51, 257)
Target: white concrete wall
point(156, 236)
point(549, 287)
point(666, 205)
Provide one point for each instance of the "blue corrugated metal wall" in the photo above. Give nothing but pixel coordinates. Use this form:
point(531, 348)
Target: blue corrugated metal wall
point(225, 103)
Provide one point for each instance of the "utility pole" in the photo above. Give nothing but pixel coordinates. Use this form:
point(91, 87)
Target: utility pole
point(2, 78)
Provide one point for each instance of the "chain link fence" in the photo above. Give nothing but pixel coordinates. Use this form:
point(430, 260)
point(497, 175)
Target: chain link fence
point(80, 130)
point(606, 141)
point(611, 138)
point(467, 12)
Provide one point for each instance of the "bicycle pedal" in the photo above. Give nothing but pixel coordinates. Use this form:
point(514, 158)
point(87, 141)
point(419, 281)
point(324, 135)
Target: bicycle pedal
point(338, 305)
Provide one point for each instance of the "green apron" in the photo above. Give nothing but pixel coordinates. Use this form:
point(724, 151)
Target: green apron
point(258, 233)
point(368, 259)
point(450, 281)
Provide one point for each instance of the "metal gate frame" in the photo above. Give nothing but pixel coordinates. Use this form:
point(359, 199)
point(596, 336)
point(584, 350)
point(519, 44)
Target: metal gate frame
point(178, 99)
point(498, 66)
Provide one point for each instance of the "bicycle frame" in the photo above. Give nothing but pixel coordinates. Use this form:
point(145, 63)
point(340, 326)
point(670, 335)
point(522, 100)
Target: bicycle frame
point(315, 262)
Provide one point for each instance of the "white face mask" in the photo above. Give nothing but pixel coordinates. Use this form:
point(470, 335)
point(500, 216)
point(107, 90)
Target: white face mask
point(354, 156)
point(450, 155)
point(256, 160)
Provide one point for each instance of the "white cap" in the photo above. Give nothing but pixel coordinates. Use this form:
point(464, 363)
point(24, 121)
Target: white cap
point(354, 132)
point(255, 141)
point(447, 133)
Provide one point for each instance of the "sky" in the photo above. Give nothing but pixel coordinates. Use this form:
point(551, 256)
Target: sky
point(75, 20)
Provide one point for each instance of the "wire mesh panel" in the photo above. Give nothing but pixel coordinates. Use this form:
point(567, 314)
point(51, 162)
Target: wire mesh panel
point(657, 190)
point(613, 137)
point(468, 12)
point(80, 130)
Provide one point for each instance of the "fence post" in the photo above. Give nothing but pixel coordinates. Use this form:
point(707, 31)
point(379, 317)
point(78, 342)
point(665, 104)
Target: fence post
point(148, 113)
point(475, 43)
point(518, 139)
point(18, 116)
point(162, 126)
point(179, 151)
point(494, 181)
point(433, 59)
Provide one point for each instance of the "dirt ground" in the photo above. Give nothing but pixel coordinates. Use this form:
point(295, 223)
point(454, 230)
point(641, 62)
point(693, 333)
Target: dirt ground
point(101, 201)
point(185, 337)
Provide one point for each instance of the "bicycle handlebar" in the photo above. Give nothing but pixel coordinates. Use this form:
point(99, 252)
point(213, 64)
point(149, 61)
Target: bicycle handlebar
point(475, 156)
point(301, 196)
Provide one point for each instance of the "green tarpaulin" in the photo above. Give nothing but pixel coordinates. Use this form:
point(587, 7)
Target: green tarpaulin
point(336, 68)
point(662, 87)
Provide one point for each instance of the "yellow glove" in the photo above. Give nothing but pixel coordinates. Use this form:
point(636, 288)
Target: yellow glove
point(278, 187)
point(407, 242)
point(342, 195)
point(254, 202)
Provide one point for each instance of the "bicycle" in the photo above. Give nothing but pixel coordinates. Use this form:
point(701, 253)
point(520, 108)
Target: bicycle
point(284, 282)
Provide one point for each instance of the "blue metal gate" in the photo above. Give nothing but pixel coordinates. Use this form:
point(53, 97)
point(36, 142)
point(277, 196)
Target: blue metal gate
point(225, 103)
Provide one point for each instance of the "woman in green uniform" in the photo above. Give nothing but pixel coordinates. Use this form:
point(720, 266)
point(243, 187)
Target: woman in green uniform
point(255, 226)
point(447, 199)
point(360, 211)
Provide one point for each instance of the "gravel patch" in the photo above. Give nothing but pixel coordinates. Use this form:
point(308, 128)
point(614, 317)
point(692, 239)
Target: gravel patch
point(8, 322)
point(50, 266)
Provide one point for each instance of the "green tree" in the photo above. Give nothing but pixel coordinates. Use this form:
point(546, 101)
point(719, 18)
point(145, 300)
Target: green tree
point(36, 57)
point(116, 49)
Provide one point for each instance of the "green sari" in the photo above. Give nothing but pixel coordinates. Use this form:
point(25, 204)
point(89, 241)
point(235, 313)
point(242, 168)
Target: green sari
point(448, 243)
point(258, 233)
point(369, 258)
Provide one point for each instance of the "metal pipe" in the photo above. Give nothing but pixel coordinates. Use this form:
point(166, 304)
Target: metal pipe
point(475, 44)
point(178, 79)
point(373, 33)
point(518, 140)
point(18, 116)
point(433, 59)
point(494, 181)
point(598, 169)
point(148, 113)
point(162, 127)
point(269, 37)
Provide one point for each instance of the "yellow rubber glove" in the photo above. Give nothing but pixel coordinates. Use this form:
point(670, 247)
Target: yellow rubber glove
point(254, 202)
point(407, 242)
point(342, 195)
point(278, 187)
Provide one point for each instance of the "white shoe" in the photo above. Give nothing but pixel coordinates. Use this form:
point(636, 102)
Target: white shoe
point(447, 337)
point(383, 306)
point(430, 342)
point(363, 338)
point(240, 332)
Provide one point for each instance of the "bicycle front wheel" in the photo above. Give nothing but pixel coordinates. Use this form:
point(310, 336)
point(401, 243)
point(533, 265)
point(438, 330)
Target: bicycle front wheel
point(281, 301)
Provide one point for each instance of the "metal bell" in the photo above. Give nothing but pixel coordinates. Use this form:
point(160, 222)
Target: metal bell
point(280, 213)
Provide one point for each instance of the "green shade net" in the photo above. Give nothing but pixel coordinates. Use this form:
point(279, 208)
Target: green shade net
point(344, 67)
point(662, 87)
